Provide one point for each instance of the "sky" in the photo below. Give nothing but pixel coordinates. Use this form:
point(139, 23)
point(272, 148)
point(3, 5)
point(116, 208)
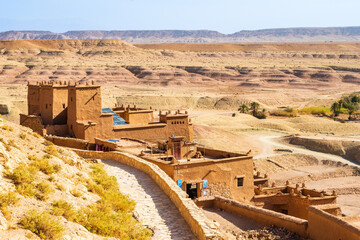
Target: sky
point(225, 16)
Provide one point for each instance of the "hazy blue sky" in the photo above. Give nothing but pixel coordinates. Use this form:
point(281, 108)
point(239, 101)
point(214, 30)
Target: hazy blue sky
point(226, 16)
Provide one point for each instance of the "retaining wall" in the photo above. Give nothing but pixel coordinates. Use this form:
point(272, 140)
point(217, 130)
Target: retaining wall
point(70, 142)
point(324, 226)
point(199, 224)
point(262, 216)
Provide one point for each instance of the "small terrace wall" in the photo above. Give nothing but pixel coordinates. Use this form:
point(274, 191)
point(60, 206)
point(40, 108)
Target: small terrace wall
point(199, 224)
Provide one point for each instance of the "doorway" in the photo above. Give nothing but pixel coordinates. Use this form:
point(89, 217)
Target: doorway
point(191, 190)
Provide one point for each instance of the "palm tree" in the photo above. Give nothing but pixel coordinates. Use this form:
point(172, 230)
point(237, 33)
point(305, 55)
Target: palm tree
point(254, 108)
point(243, 108)
point(335, 108)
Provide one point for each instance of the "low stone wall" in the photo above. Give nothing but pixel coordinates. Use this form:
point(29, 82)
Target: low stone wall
point(259, 215)
point(199, 224)
point(324, 226)
point(69, 142)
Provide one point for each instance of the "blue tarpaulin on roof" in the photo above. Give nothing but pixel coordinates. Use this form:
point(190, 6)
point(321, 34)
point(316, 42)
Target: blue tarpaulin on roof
point(113, 140)
point(117, 119)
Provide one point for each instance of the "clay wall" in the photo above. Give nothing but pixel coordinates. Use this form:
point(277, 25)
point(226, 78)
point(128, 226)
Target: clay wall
point(59, 105)
point(199, 224)
point(59, 130)
point(259, 215)
point(33, 122)
point(46, 101)
point(69, 142)
point(324, 226)
point(33, 98)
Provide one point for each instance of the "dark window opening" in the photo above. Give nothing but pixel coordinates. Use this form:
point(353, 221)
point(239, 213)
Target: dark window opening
point(63, 105)
point(71, 99)
point(46, 106)
point(93, 98)
point(284, 211)
point(71, 127)
point(240, 182)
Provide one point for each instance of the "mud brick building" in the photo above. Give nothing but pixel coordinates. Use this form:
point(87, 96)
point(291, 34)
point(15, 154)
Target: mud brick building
point(62, 109)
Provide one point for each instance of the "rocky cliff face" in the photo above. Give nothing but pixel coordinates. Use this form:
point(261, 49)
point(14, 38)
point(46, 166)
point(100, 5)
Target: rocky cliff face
point(198, 36)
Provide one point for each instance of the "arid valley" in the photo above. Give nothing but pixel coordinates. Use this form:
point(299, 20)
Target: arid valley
point(211, 82)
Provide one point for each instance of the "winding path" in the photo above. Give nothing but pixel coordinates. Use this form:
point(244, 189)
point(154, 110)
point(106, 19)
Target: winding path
point(153, 209)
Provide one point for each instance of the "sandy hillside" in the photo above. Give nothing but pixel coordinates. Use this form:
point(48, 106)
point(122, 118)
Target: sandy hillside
point(34, 175)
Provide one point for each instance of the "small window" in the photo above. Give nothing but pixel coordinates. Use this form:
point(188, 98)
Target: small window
point(240, 182)
point(71, 99)
point(46, 106)
point(71, 126)
point(63, 105)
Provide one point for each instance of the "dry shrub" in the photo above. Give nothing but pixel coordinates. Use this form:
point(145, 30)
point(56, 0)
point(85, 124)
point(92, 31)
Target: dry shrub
point(23, 177)
point(60, 187)
point(12, 143)
point(6, 200)
point(76, 193)
point(7, 128)
point(22, 136)
point(63, 208)
point(43, 165)
point(7, 147)
point(42, 224)
point(44, 190)
point(35, 134)
point(110, 216)
point(51, 149)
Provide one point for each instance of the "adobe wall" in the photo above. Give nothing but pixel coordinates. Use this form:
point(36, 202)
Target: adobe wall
point(69, 142)
point(199, 224)
point(33, 99)
point(59, 130)
point(324, 226)
point(33, 122)
point(259, 215)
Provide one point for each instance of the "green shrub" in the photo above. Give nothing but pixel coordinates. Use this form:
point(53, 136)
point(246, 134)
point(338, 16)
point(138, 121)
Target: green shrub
point(315, 110)
point(42, 224)
point(65, 209)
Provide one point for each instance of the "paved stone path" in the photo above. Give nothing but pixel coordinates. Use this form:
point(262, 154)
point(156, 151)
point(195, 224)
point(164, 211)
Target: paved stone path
point(153, 209)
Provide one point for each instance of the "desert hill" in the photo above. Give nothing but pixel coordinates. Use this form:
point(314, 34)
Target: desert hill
point(109, 61)
point(338, 34)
